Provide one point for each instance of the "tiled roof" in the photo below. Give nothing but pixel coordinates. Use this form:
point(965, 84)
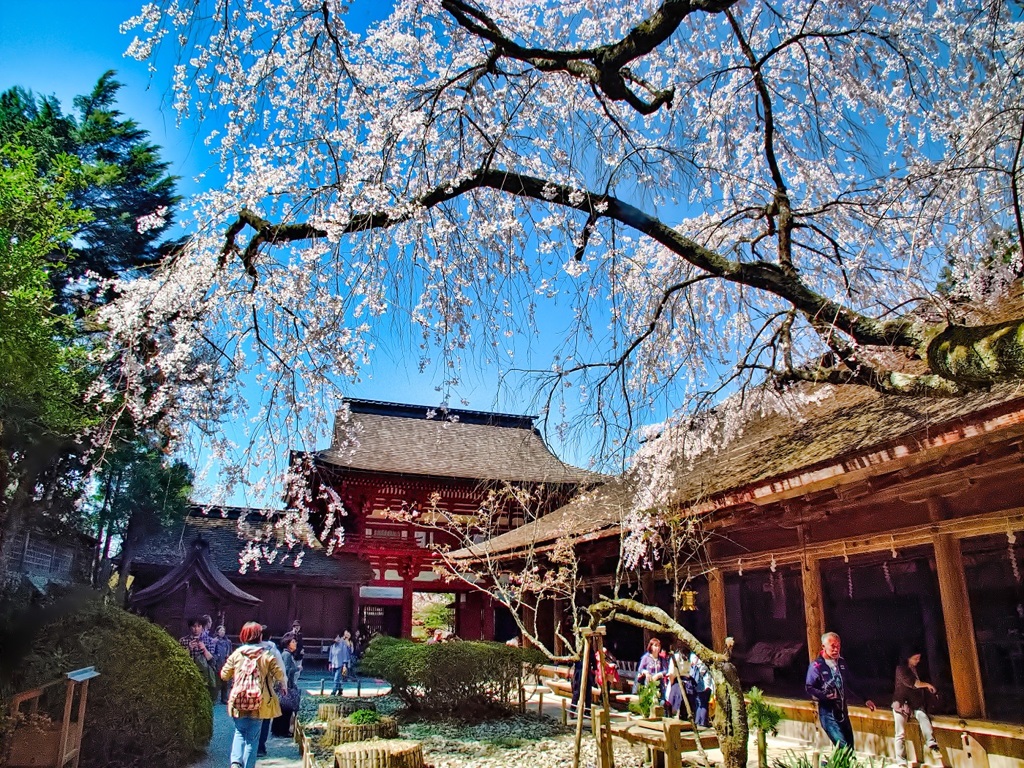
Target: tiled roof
point(196, 565)
point(401, 439)
point(170, 548)
point(849, 422)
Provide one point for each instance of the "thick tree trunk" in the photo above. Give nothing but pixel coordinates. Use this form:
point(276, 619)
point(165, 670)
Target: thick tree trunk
point(977, 356)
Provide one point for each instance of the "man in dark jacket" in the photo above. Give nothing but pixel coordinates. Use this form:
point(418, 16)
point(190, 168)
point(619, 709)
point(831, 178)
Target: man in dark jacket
point(829, 684)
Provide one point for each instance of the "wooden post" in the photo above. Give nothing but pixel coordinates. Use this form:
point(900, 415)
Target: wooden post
point(601, 722)
point(956, 612)
point(673, 742)
point(65, 731)
point(584, 694)
point(814, 616)
point(408, 573)
point(719, 621)
point(601, 728)
point(83, 697)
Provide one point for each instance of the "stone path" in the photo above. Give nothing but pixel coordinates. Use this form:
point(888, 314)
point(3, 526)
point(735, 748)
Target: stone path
point(281, 752)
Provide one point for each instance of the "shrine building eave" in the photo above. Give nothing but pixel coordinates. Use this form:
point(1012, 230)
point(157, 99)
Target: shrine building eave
point(847, 439)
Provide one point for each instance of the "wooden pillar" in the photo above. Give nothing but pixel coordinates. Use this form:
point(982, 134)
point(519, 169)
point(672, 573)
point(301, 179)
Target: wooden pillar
point(814, 612)
point(293, 605)
point(956, 614)
point(716, 596)
point(355, 609)
point(487, 619)
point(408, 572)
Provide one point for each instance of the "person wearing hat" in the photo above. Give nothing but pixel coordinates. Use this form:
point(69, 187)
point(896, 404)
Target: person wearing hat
point(910, 699)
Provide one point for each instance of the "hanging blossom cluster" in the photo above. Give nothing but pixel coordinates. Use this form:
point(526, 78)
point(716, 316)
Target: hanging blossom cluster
point(646, 229)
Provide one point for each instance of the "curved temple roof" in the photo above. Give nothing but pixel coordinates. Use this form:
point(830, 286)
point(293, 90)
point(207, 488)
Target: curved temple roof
point(196, 565)
point(416, 440)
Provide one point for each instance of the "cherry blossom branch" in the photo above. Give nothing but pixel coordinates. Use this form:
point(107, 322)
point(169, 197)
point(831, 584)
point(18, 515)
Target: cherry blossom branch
point(606, 66)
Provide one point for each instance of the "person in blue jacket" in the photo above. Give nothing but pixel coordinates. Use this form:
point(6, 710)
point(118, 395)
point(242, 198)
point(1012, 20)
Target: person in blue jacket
point(829, 683)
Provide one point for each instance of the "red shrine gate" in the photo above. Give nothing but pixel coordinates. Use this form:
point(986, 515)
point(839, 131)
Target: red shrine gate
point(389, 457)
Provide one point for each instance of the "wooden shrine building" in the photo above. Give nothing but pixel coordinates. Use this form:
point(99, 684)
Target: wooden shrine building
point(194, 570)
point(896, 522)
point(429, 466)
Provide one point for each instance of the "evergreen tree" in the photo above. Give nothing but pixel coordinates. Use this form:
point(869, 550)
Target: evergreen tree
point(126, 180)
point(79, 193)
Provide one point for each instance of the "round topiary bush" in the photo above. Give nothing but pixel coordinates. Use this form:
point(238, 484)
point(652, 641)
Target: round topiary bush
point(149, 706)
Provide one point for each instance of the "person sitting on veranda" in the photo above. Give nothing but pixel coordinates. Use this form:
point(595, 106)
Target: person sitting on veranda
point(910, 699)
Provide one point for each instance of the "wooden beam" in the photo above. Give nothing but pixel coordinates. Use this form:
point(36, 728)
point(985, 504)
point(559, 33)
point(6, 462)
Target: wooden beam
point(814, 613)
point(719, 619)
point(901, 538)
point(956, 612)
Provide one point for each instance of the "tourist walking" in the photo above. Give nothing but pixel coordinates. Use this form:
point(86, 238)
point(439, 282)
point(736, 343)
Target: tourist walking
point(829, 683)
point(197, 647)
point(339, 659)
point(270, 647)
point(678, 683)
point(254, 672)
point(910, 699)
point(281, 725)
point(297, 634)
point(221, 648)
point(703, 686)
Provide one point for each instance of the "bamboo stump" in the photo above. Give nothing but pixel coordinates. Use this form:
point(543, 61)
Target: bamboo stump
point(328, 712)
point(341, 731)
point(388, 753)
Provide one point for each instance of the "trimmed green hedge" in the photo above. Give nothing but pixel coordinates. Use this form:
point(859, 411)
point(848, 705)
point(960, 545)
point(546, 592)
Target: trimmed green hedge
point(458, 676)
point(149, 706)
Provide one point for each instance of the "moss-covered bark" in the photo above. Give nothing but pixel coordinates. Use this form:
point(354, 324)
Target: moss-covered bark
point(977, 356)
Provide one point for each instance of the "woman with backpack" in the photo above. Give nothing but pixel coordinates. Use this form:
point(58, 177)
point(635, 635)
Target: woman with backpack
point(254, 672)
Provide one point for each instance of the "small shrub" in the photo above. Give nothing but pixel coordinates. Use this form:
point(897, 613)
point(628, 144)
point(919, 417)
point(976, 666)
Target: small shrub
point(149, 706)
point(458, 676)
point(364, 717)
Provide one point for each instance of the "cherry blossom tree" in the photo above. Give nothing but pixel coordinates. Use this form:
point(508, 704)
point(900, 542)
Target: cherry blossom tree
point(704, 194)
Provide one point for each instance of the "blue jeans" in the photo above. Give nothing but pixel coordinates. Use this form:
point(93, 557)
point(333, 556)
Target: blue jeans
point(338, 677)
point(264, 735)
point(243, 745)
point(836, 726)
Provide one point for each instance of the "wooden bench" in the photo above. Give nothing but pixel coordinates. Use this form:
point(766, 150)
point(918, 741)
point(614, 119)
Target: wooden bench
point(667, 738)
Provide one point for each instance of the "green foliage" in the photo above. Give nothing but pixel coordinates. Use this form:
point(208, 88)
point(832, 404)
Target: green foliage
point(139, 491)
point(364, 717)
point(648, 699)
point(762, 716)
point(437, 615)
point(459, 676)
point(41, 366)
point(844, 757)
point(148, 707)
point(125, 179)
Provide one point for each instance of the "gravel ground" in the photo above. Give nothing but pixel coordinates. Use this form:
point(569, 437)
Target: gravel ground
point(522, 741)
